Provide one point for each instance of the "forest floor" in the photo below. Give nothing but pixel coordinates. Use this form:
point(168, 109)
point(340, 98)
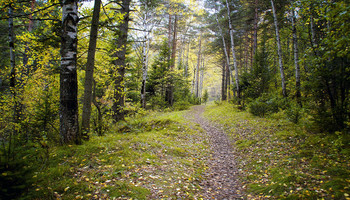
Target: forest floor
point(208, 152)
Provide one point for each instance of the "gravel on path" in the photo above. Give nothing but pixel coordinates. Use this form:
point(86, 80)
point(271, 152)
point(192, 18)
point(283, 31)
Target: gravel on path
point(220, 181)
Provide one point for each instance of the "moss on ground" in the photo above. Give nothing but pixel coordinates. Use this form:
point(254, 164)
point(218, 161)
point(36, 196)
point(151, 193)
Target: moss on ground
point(281, 160)
point(147, 157)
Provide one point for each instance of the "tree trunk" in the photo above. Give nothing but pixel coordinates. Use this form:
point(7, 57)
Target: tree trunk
point(296, 60)
point(89, 71)
point(170, 88)
point(193, 81)
point(69, 128)
point(187, 56)
point(225, 51)
point(119, 94)
point(279, 51)
point(255, 45)
point(233, 53)
point(144, 71)
point(223, 83)
point(198, 65)
point(201, 79)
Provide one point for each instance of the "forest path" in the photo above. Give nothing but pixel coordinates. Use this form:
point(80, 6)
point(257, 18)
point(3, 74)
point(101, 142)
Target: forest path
point(220, 180)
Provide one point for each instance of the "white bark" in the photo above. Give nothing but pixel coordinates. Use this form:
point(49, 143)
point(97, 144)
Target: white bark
point(225, 50)
point(279, 51)
point(296, 59)
point(233, 52)
point(69, 129)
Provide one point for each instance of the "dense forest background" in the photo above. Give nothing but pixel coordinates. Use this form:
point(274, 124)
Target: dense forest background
point(74, 69)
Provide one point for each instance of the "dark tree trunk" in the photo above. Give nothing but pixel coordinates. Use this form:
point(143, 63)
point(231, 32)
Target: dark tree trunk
point(89, 71)
point(69, 128)
point(223, 83)
point(170, 88)
point(119, 94)
point(198, 65)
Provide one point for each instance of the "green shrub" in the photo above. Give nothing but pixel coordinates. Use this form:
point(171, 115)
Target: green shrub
point(182, 105)
point(265, 105)
point(294, 113)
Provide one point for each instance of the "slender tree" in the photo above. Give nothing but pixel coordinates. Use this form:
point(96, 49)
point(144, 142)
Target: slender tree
point(233, 52)
point(279, 50)
point(89, 71)
point(296, 58)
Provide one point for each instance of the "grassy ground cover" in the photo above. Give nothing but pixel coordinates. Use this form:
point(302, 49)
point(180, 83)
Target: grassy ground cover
point(280, 160)
point(147, 157)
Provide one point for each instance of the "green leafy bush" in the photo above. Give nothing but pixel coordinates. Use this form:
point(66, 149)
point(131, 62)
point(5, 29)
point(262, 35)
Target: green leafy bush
point(265, 105)
point(182, 105)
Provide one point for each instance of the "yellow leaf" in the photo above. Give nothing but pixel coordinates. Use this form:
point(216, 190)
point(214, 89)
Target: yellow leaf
point(65, 189)
point(4, 174)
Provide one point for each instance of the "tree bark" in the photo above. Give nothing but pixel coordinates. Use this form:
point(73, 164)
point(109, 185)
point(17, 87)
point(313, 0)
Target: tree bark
point(144, 70)
point(255, 45)
point(170, 87)
point(119, 94)
point(198, 65)
point(223, 83)
point(225, 51)
point(233, 54)
point(89, 71)
point(279, 51)
point(69, 128)
point(296, 59)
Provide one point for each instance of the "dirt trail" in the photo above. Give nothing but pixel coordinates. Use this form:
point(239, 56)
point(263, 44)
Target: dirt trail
point(220, 180)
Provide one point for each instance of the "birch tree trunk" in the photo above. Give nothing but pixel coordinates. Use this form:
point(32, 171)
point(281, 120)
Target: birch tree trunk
point(296, 59)
point(279, 51)
point(225, 51)
point(69, 128)
point(233, 53)
point(119, 93)
point(145, 49)
point(89, 71)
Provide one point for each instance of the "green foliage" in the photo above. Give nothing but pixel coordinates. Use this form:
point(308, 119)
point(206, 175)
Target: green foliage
point(205, 96)
point(294, 113)
point(182, 105)
point(257, 81)
point(161, 78)
point(266, 104)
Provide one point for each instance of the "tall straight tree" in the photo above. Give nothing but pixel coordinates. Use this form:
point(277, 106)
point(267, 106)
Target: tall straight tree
point(296, 58)
point(198, 65)
point(69, 128)
point(89, 71)
point(225, 51)
point(233, 52)
point(279, 50)
point(119, 62)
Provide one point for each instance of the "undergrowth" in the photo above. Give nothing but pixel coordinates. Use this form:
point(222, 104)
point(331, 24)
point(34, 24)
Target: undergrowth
point(280, 160)
point(147, 157)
